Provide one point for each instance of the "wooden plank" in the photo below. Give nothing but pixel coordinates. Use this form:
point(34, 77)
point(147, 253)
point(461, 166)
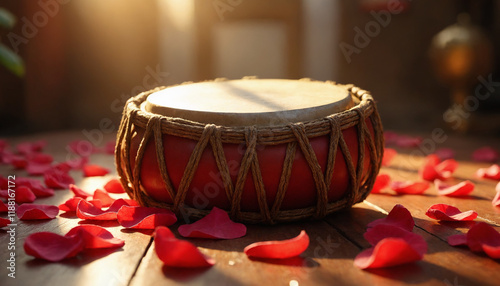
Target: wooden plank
point(442, 264)
point(96, 267)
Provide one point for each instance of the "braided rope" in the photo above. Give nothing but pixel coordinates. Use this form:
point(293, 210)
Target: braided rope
point(295, 135)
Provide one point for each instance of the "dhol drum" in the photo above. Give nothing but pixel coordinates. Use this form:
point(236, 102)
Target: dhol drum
point(265, 150)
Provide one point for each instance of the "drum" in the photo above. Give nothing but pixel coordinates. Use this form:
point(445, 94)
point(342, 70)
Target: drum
point(264, 150)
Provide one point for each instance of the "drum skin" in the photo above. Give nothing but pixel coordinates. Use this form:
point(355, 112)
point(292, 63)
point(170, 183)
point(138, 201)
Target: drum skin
point(207, 190)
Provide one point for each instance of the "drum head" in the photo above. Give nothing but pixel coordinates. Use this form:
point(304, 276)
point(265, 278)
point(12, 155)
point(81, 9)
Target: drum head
point(260, 102)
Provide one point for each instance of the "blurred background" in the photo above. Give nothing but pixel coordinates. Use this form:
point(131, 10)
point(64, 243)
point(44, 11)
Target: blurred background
point(427, 63)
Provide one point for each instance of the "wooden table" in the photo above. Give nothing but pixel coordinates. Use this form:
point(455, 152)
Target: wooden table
point(335, 241)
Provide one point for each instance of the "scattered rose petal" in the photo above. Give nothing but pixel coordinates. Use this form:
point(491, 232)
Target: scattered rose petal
point(216, 224)
point(174, 252)
point(52, 247)
point(94, 170)
point(388, 252)
point(58, 179)
point(74, 163)
point(461, 189)
point(434, 169)
point(109, 148)
point(4, 222)
point(406, 141)
point(70, 205)
point(145, 217)
point(79, 192)
point(114, 186)
point(445, 153)
point(492, 172)
point(87, 210)
point(104, 197)
point(18, 162)
point(35, 169)
point(95, 236)
point(26, 148)
point(24, 195)
point(382, 231)
point(389, 155)
point(3, 207)
point(279, 249)
point(496, 199)
point(457, 239)
point(399, 216)
point(82, 148)
point(485, 154)
point(482, 234)
point(36, 212)
point(445, 212)
point(382, 181)
point(409, 187)
point(35, 186)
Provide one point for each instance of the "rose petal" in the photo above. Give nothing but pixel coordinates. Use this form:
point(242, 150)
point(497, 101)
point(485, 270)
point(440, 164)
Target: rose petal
point(52, 247)
point(382, 231)
point(389, 155)
point(178, 253)
point(26, 148)
point(482, 234)
point(445, 153)
point(104, 197)
point(79, 192)
point(279, 249)
point(24, 195)
point(109, 148)
point(492, 172)
point(74, 163)
point(82, 148)
point(94, 170)
point(485, 154)
point(86, 210)
point(492, 251)
point(3, 207)
point(114, 186)
point(216, 224)
point(58, 179)
point(35, 169)
point(496, 199)
point(409, 187)
point(95, 236)
point(388, 252)
point(70, 205)
point(36, 212)
point(457, 239)
point(461, 189)
point(382, 181)
point(145, 217)
point(434, 169)
point(4, 222)
point(36, 187)
point(445, 212)
point(18, 162)
point(399, 216)
point(406, 141)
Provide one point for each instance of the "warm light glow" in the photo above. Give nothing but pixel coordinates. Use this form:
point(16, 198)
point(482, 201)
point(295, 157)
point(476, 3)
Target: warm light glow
point(179, 12)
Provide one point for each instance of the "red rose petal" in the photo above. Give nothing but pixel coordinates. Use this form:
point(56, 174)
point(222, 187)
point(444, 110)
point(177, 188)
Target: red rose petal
point(79, 192)
point(3, 207)
point(409, 187)
point(36, 212)
point(86, 210)
point(82, 148)
point(26, 148)
point(35, 169)
point(74, 163)
point(36, 187)
point(178, 253)
point(461, 189)
point(95, 236)
point(445, 153)
point(382, 231)
point(216, 224)
point(492, 172)
point(388, 252)
point(492, 251)
point(145, 217)
point(104, 197)
point(389, 155)
point(496, 199)
point(24, 195)
point(457, 239)
point(58, 179)
point(70, 205)
point(434, 169)
point(279, 249)
point(406, 141)
point(94, 170)
point(485, 154)
point(4, 222)
point(109, 148)
point(18, 162)
point(390, 137)
point(114, 186)
point(52, 247)
point(445, 212)
point(399, 216)
point(40, 158)
point(482, 234)
point(382, 181)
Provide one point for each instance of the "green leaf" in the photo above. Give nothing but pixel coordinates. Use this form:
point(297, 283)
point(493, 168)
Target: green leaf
point(11, 61)
point(7, 19)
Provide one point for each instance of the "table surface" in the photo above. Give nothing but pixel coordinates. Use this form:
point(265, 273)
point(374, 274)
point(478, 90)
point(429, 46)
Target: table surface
point(334, 241)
